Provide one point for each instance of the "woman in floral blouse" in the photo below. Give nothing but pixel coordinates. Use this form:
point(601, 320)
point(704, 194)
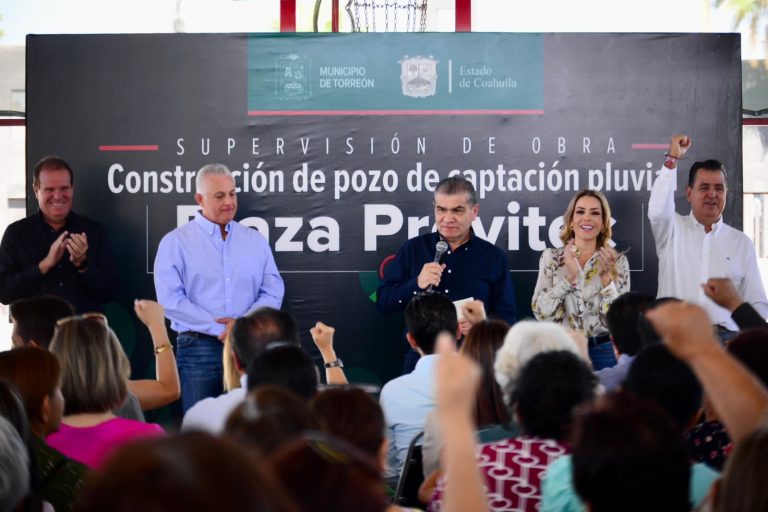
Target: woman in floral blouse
point(578, 282)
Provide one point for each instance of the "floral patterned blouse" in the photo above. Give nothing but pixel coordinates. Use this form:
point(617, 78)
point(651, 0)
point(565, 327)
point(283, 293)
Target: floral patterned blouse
point(581, 307)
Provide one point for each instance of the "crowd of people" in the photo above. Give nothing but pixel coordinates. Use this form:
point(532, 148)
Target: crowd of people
point(608, 400)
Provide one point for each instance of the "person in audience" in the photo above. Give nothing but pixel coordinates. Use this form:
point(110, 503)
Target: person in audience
point(94, 380)
point(56, 251)
point(209, 272)
point(456, 383)
point(737, 396)
point(166, 388)
point(269, 418)
point(723, 292)
point(12, 410)
point(701, 244)
point(660, 378)
point(550, 386)
point(524, 341)
point(322, 472)
point(481, 344)
point(352, 415)
point(624, 318)
point(408, 399)
point(37, 376)
point(742, 487)
point(628, 455)
point(189, 472)
point(285, 365)
point(14, 464)
point(709, 441)
point(578, 282)
point(34, 320)
point(250, 335)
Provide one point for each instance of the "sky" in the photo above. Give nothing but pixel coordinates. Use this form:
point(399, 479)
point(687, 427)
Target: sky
point(21, 17)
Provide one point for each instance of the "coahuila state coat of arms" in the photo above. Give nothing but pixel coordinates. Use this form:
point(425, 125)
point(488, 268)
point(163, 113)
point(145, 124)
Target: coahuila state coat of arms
point(418, 76)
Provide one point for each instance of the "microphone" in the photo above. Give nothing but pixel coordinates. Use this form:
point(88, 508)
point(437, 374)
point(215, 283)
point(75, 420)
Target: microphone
point(441, 248)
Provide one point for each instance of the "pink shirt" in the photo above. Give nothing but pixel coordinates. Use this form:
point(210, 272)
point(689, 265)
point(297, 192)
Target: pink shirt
point(92, 445)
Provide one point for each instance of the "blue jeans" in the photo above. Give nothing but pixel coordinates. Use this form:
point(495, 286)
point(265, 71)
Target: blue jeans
point(200, 368)
point(602, 356)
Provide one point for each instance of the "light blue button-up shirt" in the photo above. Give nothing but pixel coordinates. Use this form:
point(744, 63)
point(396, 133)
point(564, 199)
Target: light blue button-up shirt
point(199, 277)
point(406, 401)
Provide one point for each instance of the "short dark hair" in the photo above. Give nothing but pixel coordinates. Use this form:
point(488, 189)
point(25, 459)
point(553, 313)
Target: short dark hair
point(658, 376)
point(285, 365)
point(36, 317)
point(551, 385)
point(628, 455)
point(51, 163)
point(707, 165)
point(454, 186)
point(427, 315)
point(254, 331)
point(648, 334)
point(624, 318)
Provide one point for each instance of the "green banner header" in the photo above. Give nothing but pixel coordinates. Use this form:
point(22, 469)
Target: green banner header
point(396, 74)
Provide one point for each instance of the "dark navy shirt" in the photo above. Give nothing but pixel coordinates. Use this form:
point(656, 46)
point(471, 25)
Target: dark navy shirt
point(476, 269)
point(27, 241)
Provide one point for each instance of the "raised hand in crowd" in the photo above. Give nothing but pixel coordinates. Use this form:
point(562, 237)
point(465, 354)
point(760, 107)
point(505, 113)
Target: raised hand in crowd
point(322, 335)
point(457, 379)
point(723, 292)
point(471, 313)
point(166, 387)
point(739, 399)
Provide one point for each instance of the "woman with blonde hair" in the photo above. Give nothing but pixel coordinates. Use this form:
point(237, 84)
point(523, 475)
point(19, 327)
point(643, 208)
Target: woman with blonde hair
point(579, 281)
point(94, 371)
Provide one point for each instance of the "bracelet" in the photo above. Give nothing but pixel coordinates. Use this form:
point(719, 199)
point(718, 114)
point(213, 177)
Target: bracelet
point(670, 162)
point(335, 364)
point(162, 348)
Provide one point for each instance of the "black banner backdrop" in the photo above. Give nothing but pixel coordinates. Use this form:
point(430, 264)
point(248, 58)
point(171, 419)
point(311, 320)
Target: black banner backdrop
point(337, 141)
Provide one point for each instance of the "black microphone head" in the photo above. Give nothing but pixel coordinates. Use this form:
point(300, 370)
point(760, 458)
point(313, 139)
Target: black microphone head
point(441, 248)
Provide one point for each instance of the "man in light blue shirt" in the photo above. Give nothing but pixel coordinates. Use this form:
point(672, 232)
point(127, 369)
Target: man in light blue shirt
point(208, 272)
point(408, 399)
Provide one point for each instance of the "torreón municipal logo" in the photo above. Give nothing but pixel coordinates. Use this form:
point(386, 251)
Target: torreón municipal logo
point(293, 72)
point(418, 76)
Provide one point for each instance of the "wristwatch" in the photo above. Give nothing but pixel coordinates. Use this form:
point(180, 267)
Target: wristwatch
point(338, 363)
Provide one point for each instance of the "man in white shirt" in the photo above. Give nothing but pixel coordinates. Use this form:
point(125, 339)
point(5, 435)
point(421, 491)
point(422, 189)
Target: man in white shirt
point(693, 248)
point(250, 336)
point(408, 399)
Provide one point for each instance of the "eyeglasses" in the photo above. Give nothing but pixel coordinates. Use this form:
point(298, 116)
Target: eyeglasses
point(93, 316)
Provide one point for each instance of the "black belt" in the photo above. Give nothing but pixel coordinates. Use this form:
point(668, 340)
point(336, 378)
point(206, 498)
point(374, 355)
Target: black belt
point(199, 335)
point(594, 341)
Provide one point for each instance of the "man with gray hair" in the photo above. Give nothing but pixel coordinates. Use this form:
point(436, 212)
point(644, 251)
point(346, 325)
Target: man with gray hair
point(209, 272)
point(468, 267)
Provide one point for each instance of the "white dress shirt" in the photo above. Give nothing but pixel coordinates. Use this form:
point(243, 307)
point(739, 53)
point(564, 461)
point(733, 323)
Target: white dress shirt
point(689, 256)
point(210, 414)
